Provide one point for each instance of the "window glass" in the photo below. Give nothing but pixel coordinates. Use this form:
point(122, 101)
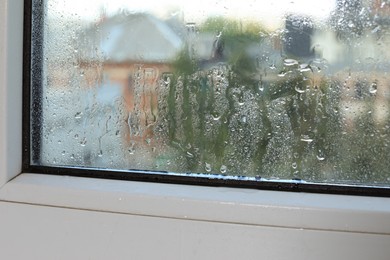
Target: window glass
point(244, 89)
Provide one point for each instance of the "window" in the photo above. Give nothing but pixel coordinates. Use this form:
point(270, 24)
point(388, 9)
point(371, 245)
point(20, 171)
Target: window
point(297, 225)
point(237, 96)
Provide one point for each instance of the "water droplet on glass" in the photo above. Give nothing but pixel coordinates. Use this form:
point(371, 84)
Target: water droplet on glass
point(320, 155)
point(261, 86)
point(83, 142)
point(131, 150)
point(290, 62)
point(241, 103)
point(100, 154)
point(299, 90)
point(78, 115)
point(306, 139)
point(304, 68)
point(223, 169)
point(294, 165)
point(167, 81)
point(208, 167)
point(373, 88)
point(216, 116)
point(189, 155)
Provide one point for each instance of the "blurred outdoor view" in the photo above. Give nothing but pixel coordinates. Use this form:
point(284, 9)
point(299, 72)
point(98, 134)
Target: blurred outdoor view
point(282, 90)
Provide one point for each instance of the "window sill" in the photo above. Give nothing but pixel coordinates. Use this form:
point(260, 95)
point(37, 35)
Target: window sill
point(224, 205)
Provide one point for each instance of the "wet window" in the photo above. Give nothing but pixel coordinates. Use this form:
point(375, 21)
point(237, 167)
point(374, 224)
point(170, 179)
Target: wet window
point(254, 90)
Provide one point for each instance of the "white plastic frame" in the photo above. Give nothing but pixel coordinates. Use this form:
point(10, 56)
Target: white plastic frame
point(354, 214)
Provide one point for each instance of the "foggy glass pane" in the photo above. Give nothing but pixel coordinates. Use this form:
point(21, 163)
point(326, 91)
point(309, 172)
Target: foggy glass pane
point(276, 90)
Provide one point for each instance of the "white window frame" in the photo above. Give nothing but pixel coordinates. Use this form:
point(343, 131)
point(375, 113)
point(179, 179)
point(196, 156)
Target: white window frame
point(223, 205)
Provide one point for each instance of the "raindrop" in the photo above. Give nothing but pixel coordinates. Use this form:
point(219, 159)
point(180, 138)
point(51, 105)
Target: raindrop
point(261, 86)
point(78, 115)
point(208, 167)
point(100, 154)
point(83, 142)
point(299, 90)
point(131, 150)
point(189, 155)
point(376, 29)
point(306, 139)
point(223, 169)
point(294, 165)
point(373, 88)
point(305, 68)
point(216, 116)
point(290, 62)
point(167, 81)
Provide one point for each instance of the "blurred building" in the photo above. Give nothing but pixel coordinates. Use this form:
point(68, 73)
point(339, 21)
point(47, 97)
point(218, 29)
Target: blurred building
point(297, 41)
point(132, 51)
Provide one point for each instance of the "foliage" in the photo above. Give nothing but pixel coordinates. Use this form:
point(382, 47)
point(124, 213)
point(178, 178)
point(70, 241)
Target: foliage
point(220, 117)
point(233, 30)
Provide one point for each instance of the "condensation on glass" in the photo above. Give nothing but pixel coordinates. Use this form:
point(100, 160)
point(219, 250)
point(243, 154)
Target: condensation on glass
point(273, 89)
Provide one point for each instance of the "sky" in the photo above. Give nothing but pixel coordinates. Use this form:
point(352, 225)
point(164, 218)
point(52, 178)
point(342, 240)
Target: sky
point(269, 12)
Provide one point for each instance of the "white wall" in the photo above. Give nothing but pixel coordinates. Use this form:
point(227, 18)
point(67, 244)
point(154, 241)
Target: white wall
point(59, 217)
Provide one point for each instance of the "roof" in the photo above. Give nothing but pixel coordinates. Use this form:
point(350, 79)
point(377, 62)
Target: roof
point(134, 37)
